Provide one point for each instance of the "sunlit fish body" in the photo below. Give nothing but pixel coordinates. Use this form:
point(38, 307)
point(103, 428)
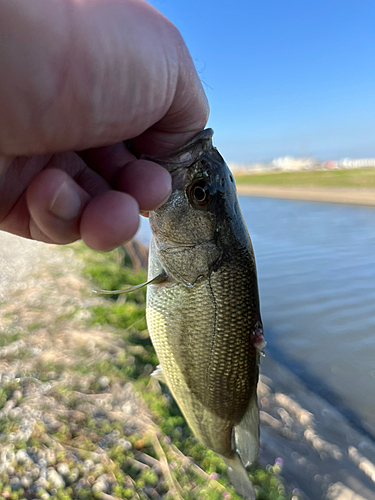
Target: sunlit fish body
point(203, 307)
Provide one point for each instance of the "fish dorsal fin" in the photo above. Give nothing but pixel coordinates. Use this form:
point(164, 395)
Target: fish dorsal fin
point(161, 278)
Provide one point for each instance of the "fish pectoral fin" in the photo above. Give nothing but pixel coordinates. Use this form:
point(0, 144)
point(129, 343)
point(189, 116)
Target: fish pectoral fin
point(159, 374)
point(161, 278)
point(239, 477)
point(246, 433)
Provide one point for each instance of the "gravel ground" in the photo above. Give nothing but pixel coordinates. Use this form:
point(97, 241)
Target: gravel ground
point(49, 417)
point(19, 257)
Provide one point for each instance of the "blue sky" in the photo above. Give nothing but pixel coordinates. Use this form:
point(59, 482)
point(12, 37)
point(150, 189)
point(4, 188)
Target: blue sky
point(284, 77)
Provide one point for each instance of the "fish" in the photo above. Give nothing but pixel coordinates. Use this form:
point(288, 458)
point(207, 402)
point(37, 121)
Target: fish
point(204, 315)
point(203, 310)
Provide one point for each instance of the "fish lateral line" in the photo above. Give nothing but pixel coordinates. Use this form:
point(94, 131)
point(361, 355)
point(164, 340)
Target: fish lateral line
point(161, 278)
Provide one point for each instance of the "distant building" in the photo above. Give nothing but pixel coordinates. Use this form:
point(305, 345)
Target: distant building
point(358, 163)
point(290, 164)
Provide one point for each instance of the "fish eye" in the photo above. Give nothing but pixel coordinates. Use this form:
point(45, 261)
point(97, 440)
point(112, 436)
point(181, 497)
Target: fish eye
point(199, 194)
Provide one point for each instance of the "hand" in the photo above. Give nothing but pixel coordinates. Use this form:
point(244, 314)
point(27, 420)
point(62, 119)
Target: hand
point(78, 78)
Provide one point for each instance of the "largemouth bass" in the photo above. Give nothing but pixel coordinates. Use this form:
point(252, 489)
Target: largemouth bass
point(203, 317)
point(203, 306)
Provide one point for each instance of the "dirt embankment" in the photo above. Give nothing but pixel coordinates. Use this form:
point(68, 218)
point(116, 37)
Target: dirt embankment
point(328, 195)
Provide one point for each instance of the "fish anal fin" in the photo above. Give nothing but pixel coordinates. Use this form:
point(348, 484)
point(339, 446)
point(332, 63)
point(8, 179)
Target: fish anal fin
point(239, 477)
point(246, 433)
point(161, 278)
point(159, 374)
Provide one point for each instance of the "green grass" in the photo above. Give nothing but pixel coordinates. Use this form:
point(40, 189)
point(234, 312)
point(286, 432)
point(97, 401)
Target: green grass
point(352, 178)
point(9, 338)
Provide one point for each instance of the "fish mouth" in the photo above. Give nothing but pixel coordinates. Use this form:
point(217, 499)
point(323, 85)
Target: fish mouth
point(186, 155)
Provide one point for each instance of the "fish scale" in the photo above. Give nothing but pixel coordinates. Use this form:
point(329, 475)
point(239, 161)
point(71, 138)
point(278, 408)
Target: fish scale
point(205, 340)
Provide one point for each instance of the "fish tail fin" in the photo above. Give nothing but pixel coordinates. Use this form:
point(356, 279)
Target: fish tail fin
point(239, 477)
point(246, 439)
point(246, 433)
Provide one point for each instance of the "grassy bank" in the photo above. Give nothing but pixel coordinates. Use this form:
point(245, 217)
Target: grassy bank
point(80, 417)
point(352, 178)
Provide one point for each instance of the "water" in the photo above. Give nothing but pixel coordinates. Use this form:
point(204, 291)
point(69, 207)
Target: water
point(316, 271)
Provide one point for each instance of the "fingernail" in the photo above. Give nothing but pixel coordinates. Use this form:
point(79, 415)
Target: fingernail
point(66, 203)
